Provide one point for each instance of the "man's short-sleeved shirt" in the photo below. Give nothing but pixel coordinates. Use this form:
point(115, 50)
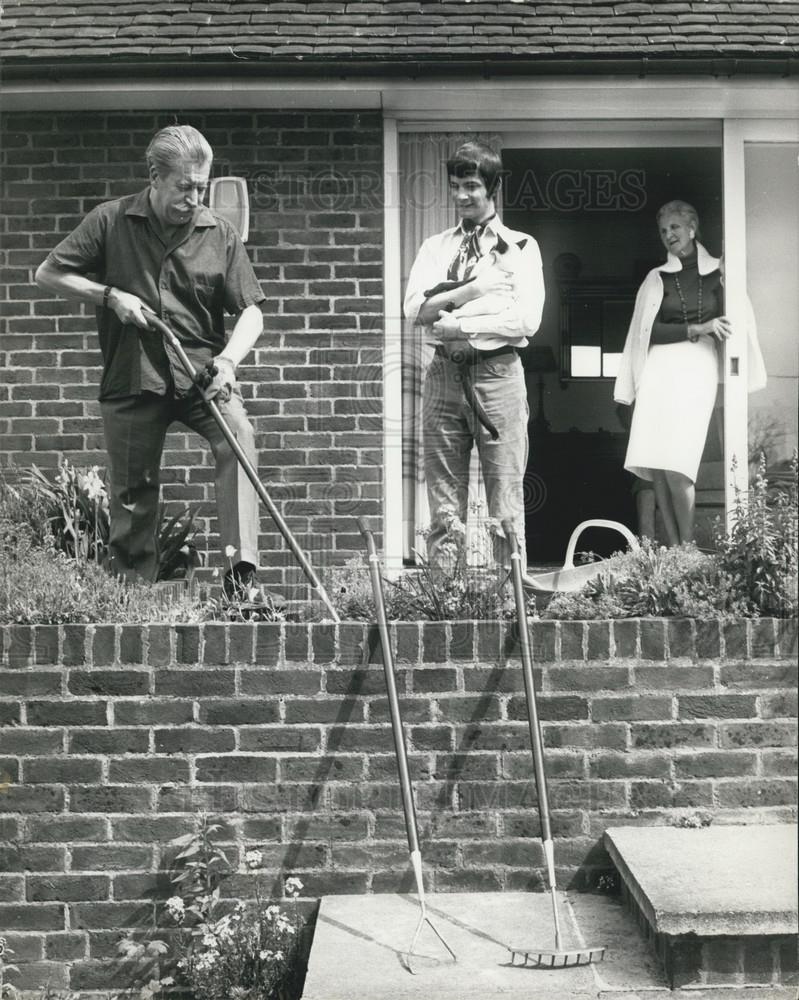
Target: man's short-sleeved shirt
point(189, 280)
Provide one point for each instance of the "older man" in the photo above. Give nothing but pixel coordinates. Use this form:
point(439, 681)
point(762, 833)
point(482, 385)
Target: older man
point(162, 251)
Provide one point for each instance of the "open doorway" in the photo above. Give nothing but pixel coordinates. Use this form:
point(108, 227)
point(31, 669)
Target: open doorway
point(592, 211)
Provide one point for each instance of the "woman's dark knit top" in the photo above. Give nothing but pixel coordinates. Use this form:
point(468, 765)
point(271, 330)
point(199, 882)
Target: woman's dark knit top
point(670, 326)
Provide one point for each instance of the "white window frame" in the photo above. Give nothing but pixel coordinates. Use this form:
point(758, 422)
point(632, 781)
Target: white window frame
point(737, 132)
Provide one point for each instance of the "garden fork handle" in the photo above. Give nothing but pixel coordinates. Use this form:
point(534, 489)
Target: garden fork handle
point(247, 466)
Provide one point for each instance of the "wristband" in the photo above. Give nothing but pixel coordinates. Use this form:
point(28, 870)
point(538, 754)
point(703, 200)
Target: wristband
point(106, 292)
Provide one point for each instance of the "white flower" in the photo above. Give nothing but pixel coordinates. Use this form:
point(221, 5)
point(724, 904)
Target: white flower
point(175, 908)
point(266, 956)
point(230, 551)
point(293, 886)
point(253, 859)
point(93, 484)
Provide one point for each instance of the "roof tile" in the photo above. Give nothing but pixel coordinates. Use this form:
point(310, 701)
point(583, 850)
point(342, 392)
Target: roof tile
point(433, 31)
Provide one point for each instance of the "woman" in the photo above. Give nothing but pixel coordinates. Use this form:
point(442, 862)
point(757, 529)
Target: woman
point(670, 368)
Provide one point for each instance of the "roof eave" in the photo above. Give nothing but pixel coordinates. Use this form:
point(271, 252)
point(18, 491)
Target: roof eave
point(611, 64)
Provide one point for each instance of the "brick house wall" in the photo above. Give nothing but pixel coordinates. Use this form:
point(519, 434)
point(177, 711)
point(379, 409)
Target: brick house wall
point(313, 386)
point(114, 738)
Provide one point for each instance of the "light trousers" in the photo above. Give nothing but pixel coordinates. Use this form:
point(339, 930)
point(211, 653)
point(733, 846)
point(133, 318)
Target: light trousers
point(451, 429)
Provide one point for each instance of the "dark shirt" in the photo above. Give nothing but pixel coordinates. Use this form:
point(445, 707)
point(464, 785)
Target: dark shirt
point(189, 279)
point(670, 326)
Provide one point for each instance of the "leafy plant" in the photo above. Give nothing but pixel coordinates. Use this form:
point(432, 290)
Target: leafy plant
point(177, 553)
point(443, 589)
point(7, 990)
point(752, 572)
point(74, 507)
point(760, 552)
point(653, 581)
point(218, 952)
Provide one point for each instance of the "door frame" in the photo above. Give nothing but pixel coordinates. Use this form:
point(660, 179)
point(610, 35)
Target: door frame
point(737, 132)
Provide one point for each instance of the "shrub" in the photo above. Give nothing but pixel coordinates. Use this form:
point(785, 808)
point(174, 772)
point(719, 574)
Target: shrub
point(653, 581)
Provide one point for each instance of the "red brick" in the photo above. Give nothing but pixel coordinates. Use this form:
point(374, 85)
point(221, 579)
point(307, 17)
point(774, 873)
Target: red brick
point(22, 917)
point(640, 708)
point(716, 706)
point(280, 682)
point(625, 635)
point(67, 888)
point(758, 675)
point(280, 739)
point(65, 947)
point(108, 682)
point(588, 678)
point(756, 793)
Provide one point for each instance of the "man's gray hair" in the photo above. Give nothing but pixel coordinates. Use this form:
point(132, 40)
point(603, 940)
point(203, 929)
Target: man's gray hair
point(175, 145)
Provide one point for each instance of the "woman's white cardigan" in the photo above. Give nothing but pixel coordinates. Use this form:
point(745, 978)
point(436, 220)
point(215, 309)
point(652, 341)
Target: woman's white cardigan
point(647, 305)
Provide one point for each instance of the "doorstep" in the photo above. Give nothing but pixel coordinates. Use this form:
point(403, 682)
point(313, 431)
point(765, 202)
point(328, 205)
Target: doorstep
point(359, 944)
point(718, 903)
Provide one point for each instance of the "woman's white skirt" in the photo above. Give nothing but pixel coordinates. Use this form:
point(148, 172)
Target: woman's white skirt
point(673, 408)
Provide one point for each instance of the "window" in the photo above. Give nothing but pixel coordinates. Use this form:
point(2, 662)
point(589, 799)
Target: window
point(594, 318)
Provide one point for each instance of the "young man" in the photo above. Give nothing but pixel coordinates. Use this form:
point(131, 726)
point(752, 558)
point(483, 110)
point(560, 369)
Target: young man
point(162, 252)
point(479, 291)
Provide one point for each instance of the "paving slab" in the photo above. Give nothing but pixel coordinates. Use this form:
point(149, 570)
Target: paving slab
point(717, 880)
point(360, 942)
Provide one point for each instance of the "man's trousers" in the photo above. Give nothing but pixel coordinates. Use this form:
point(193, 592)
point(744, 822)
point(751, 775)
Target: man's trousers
point(450, 428)
point(135, 430)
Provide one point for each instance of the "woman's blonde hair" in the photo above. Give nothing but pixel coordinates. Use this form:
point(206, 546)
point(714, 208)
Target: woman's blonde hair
point(683, 209)
point(177, 144)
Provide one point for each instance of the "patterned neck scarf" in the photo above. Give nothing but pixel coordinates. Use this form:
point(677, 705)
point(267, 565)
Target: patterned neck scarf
point(468, 252)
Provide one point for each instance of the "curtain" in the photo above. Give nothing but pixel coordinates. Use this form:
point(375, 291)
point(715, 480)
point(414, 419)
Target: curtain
point(427, 209)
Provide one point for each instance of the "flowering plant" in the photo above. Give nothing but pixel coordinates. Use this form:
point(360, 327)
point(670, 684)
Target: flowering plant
point(216, 948)
point(76, 507)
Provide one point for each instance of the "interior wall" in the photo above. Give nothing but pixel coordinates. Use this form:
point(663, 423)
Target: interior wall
point(600, 204)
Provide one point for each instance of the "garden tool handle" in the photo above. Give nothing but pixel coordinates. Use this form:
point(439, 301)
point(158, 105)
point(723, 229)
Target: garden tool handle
point(536, 740)
point(409, 808)
point(246, 465)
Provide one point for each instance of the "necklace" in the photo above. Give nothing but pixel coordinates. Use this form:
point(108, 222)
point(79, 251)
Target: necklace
point(682, 300)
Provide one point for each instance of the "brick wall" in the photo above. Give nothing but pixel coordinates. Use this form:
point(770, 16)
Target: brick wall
point(313, 387)
point(114, 739)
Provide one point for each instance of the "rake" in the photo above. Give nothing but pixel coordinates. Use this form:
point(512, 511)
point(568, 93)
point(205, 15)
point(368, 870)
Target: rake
point(535, 957)
point(201, 379)
point(408, 807)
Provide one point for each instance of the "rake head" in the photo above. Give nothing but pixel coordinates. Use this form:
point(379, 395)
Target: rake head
point(410, 956)
point(534, 958)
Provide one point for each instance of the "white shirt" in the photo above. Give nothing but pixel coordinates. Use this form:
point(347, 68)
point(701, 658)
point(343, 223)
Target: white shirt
point(490, 321)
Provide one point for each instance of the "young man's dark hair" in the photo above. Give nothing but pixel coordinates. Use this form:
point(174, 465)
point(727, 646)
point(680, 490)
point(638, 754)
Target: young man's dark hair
point(475, 157)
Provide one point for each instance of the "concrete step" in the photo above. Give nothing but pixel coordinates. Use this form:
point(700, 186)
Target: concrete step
point(718, 904)
point(359, 946)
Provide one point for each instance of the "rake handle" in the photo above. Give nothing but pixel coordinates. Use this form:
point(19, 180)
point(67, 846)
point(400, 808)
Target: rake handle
point(246, 465)
point(408, 806)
